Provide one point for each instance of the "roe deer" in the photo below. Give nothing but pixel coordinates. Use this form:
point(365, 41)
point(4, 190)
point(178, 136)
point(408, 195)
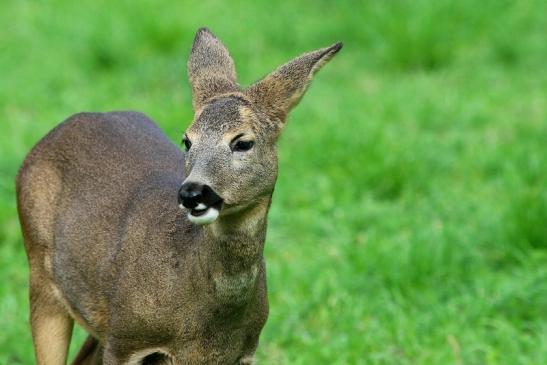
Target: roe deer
point(108, 246)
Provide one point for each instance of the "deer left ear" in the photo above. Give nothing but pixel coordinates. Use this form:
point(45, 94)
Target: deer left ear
point(211, 70)
point(280, 91)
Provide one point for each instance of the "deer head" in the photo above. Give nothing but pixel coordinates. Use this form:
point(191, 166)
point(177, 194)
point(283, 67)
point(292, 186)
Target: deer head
point(231, 156)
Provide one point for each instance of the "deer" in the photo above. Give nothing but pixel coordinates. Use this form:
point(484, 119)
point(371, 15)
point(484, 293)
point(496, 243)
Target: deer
point(157, 251)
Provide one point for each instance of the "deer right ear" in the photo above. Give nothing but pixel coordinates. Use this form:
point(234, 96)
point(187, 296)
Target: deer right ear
point(211, 70)
point(281, 90)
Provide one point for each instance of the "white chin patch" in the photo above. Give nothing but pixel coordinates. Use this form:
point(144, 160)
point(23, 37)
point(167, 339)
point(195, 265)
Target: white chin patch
point(204, 218)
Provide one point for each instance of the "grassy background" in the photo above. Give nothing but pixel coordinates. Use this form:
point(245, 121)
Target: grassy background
point(409, 220)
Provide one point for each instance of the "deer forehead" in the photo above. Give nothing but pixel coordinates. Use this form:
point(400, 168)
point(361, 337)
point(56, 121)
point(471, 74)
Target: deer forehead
point(226, 117)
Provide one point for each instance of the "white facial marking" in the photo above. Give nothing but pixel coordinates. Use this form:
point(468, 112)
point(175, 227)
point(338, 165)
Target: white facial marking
point(181, 206)
point(200, 206)
point(208, 217)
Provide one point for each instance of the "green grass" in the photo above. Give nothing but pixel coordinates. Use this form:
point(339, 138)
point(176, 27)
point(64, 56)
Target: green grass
point(409, 223)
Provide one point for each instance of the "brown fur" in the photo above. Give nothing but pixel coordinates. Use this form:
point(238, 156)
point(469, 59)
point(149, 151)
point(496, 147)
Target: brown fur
point(109, 247)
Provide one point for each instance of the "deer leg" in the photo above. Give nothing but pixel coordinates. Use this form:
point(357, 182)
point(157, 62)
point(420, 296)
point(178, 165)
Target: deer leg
point(51, 325)
point(91, 353)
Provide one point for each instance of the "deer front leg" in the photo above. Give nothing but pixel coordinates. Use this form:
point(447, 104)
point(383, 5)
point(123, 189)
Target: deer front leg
point(91, 353)
point(51, 326)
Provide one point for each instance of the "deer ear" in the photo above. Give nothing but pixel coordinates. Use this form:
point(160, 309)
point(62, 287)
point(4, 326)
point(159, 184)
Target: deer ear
point(211, 70)
point(280, 91)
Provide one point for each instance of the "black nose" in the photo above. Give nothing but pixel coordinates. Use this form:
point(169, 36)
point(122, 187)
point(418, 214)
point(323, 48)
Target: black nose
point(191, 194)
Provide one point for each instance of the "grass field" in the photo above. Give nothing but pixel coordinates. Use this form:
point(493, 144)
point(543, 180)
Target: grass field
point(409, 223)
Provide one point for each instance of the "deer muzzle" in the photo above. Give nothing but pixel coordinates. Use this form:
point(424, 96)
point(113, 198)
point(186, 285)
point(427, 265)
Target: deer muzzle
point(201, 201)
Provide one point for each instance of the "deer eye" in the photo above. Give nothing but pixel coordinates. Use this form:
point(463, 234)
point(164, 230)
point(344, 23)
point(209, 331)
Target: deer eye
point(187, 143)
point(243, 146)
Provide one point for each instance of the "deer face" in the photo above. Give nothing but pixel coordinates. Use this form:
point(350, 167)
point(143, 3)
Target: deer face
point(231, 160)
point(231, 157)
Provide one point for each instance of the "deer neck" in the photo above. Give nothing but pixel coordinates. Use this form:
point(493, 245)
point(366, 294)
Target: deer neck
point(234, 248)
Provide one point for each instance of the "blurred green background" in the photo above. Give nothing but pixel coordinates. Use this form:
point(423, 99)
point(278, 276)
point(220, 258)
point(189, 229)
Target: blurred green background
point(409, 220)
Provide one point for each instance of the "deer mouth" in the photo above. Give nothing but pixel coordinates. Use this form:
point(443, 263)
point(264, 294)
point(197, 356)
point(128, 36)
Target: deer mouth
point(204, 214)
point(201, 202)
